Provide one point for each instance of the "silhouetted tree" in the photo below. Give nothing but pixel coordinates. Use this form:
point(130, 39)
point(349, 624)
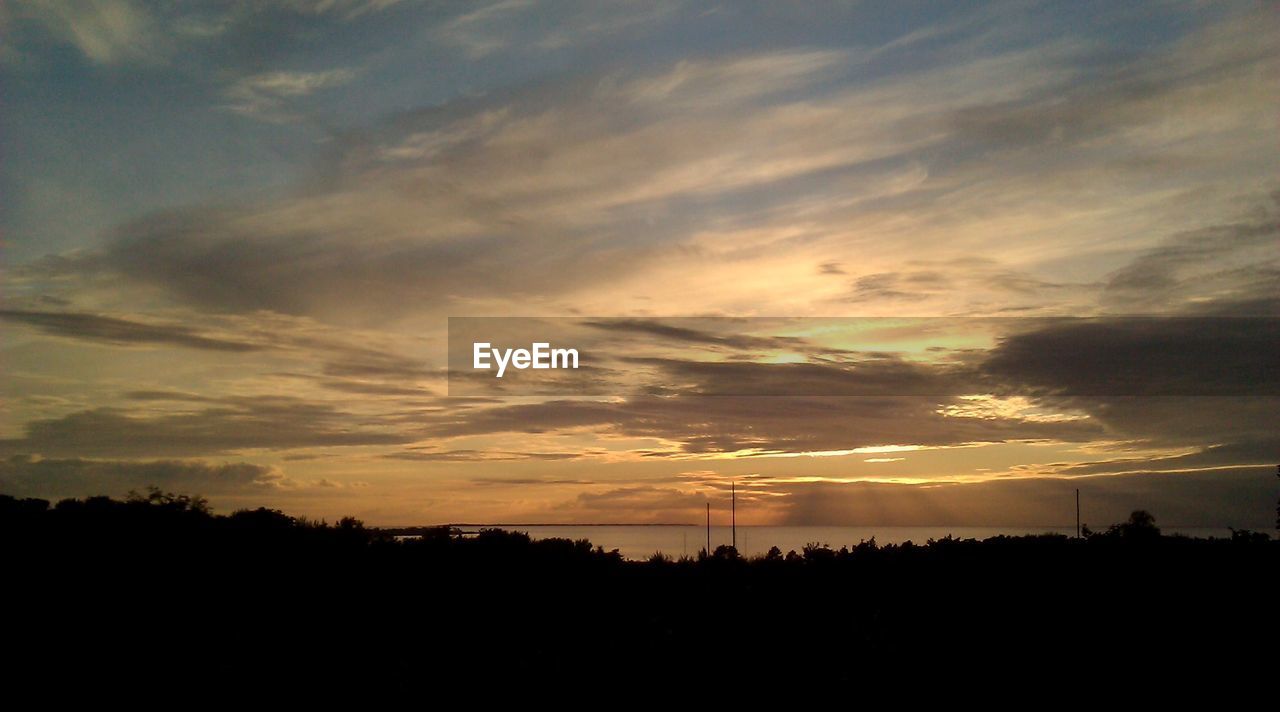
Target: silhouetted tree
point(180, 502)
point(1140, 525)
point(813, 551)
point(724, 551)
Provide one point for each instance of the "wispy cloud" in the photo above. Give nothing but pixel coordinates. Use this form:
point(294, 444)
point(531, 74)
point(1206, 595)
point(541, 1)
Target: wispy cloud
point(530, 26)
point(268, 96)
point(104, 31)
point(712, 173)
point(94, 327)
point(232, 425)
point(141, 33)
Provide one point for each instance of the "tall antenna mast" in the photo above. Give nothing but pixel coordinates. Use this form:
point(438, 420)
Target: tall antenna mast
point(733, 512)
point(708, 529)
point(1077, 513)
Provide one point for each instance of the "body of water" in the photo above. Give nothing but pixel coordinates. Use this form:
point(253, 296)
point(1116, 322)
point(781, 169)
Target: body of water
point(640, 542)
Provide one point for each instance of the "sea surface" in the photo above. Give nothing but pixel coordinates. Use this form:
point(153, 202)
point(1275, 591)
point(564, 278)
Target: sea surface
point(642, 541)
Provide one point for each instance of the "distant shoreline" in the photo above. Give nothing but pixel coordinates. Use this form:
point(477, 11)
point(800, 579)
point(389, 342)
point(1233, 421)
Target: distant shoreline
point(757, 526)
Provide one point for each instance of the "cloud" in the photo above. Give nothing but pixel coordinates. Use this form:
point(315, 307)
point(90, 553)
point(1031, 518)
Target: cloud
point(869, 375)
point(104, 31)
point(550, 188)
point(640, 504)
point(648, 328)
point(471, 30)
point(589, 190)
point(765, 424)
point(138, 33)
point(1179, 422)
point(24, 476)
point(1239, 497)
point(1242, 497)
point(347, 9)
point(522, 26)
point(269, 96)
point(339, 360)
point(234, 424)
point(1230, 268)
point(1204, 381)
point(732, 174)
point(1258, 453)
point(1155, 356)
point(123, 332)
point(937, 356)
point(970, 275)
point(487, 455)
point(524, 481)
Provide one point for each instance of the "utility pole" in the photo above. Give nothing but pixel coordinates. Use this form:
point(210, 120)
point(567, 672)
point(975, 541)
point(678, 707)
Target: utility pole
point(1077, 513)
point(708, 529)
point(733, 512)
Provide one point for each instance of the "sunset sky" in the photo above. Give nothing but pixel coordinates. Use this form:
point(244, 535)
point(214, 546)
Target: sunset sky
point(234, 233)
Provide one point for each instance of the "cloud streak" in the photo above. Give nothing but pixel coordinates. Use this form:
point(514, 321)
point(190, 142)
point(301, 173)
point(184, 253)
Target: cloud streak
point(29, 477)
point(122, 332)
point(233, 425)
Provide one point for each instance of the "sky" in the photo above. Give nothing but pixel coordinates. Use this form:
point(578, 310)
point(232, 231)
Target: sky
point(234, 234)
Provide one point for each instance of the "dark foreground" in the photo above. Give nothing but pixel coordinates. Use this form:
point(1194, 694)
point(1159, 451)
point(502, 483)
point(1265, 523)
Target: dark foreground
point(158, 587)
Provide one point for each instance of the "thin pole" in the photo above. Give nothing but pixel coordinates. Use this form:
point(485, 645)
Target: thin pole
point(733, 512)
point(708, 529)
point(1077, 513)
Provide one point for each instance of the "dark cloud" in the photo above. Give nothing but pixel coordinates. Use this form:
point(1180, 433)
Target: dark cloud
point(232, 425)
point(354, 260)
point(1171, 382)
point(171, 396)
point(353, 367)
point(123, 332)
point(701, 337)
point(478, 455)
point(524, 481)
point(1156, 356)
point(713, 424)
point(640, 498)
point(1242, 497)
point(1264, 452)
point(372, 388)
point(1103, 356)
point(1194, 421)
point(871, 375)
point(202, 258)
point(1229, 269)
point(1140, 379)
point(381, 366)
point(934, 279)
point(889, 286)
point(24, 476)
